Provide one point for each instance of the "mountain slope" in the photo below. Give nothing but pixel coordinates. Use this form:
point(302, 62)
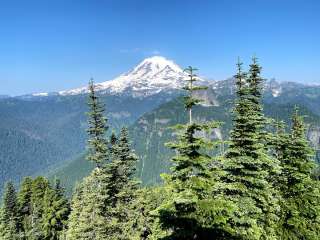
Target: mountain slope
point(42, 131)
point(152, 76)
point(151, 131)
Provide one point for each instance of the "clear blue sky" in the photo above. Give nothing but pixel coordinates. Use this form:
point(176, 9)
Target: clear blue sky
point(50, 45)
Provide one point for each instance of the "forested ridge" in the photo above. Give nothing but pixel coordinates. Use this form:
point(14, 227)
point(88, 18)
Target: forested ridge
point(46, 135)
point(261, 186)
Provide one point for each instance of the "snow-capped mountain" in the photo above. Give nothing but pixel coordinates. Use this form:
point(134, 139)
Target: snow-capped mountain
point(151, 76)
point(159, 75)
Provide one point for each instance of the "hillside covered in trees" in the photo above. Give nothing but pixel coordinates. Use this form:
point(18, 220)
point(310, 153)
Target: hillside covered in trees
point(45, 134)
point(260, 183)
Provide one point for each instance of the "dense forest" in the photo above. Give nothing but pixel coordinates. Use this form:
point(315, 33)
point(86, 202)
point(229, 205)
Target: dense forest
point(259, 184)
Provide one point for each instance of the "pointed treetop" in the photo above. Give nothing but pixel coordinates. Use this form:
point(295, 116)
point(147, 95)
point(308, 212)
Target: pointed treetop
point(298, 128)
point(240, 76)
point(191, 72)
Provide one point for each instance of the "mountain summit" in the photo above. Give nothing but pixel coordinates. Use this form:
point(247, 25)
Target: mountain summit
point(151, 76)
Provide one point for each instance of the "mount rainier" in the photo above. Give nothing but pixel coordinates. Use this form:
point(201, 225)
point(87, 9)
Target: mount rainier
point(158, 74)
point(153, 75)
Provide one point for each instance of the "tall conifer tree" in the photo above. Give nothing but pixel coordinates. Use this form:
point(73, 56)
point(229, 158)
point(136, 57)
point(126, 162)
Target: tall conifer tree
point(88, 220)
point(97, 127)
point(39, 187)
point(249, 168)
point(300, 193)
point(73, 231)
point(9, 219)
point(192, 212)
point(56, 211)
point(88, 217)
point(24, 205)
point(121, 189)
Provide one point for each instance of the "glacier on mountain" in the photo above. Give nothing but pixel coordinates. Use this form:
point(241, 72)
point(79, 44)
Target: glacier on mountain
point(151, 76)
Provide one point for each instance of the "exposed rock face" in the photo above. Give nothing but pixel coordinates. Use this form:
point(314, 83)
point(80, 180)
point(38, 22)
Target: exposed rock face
point(314, 136)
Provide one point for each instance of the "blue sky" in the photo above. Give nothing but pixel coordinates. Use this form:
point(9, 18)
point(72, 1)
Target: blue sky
point(51, 45)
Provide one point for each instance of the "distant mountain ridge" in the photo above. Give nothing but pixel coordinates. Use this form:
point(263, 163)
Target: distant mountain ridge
point(158, 74)
point(151, 76)
point(42, 131)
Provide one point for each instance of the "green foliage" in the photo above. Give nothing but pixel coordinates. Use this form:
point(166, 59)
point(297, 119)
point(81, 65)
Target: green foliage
point(39, 136)
point(149, 199)
point(104, 203)
point(249, 168)
point(74, 230)
point(300, 203)
point(264, 187)
point(190, 101)
point(39, 211)
point(88, 209)
point(56, 212)
point(121, 170)
point(38, 188)
point(25, 205)
point(73, 173)
point(97, 144)
point(193, 212)
point(121, 189)
point(9, 217)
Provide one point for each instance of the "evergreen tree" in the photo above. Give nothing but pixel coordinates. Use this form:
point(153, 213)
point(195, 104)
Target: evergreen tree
point(73, 231)
point(122, 188)
point(249, 168)
point(193, 212)
point(127, 167)
point(55, 213)
point(88, 220)
point(97, 127)
point(9, 219)
point(39, 187)
point(88, 210)
point(190, 101)
point(279, 142)
point(24, 205)
point(149, 199)
point(300, 193)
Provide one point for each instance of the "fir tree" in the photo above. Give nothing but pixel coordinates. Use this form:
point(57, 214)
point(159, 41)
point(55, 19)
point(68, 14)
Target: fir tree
point(121, 189)
point(88, 220)
point(189, 100)
point(10, 206)
point(9, 219)
point(97, 127)
point(73, 231)
point(24, 205)
point(55, 213)
point(193, 212)
point(279, 142)
point(149, 199)
point(249, 168)
point(39, 187)
point(127, 167)
point(88, 210)
point(300, 193)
